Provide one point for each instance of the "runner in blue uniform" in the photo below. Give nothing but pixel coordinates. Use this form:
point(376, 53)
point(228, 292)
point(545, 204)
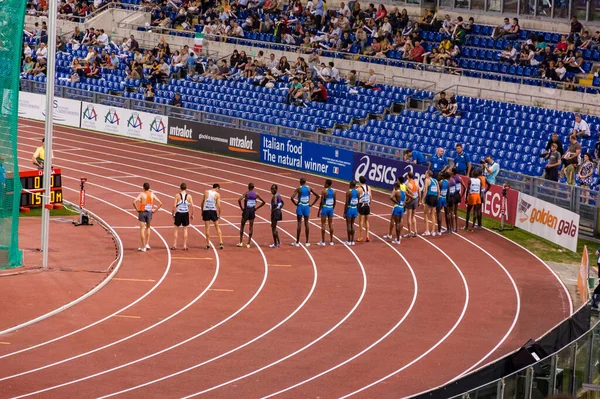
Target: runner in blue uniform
point(351, 211)
point(442, 201)
point(249, 212)
point(431, 194)
point(398, 198)
point(301, 198)
point(326, 208)
point(276, 215)
point(450, 201)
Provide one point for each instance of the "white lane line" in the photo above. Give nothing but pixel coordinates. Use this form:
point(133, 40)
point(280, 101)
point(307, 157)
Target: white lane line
point(202, 333)
point(119, 262)
point(138, 332)
point(154, 287)
point(347, 316)
point(229, 164)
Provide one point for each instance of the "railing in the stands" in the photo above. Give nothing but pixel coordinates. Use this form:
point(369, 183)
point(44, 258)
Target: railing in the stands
point(272, 46)
point(576, 199)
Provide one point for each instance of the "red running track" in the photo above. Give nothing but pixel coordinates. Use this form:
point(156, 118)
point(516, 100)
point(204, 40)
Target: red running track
point(295, 322)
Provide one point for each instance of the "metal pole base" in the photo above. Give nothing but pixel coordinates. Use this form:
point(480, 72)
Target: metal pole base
point(84, 220)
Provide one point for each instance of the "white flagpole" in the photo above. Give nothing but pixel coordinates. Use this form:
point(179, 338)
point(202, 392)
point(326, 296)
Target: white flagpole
point(50, 73)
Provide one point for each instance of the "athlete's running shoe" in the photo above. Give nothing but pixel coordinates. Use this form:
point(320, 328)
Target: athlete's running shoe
point(395, 242)
point(240, 244)
point(426, 233)
point(348, 243)
point(307, 244)
point(295, 244)
point(221, 246)
point(331, 243)
point(248, 245)
point(321, 243)
point(367, 239)
point(353, 243)
point(273, 246)
point(148, 246)
point(387, 237)
point(142, 249)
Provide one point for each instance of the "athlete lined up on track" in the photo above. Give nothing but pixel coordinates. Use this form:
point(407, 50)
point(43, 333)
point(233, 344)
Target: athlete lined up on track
point(459, 188)
point(303, 205)
point(443, 202)
point(398, 198)
point(400, 181)
point(276, 215)
point(431, 194)
point(249, 212)
point(211, 210)
point(351, 211)
point(473, 197)
point(485, 186)
point(183, 212)
point(326, 211)
point(364, 208)
point(412, 203)
point(146, 203)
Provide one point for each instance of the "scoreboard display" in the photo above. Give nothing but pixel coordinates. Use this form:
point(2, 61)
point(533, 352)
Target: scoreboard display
point(32, 182)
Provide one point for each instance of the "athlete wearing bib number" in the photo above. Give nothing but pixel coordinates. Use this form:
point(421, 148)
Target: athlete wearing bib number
point(351, 211)
point(211, 209)
point(364, 208)
point(458, 185)
point(412, 202)
point(146, 203)
point(432, 193)
point(443, 202)
point(248, 212)
point(276, 215)
point(326, 208)
point(398, 198)
point(473, 197)
point(183, 212)
point(401, 187)
point(301, 198)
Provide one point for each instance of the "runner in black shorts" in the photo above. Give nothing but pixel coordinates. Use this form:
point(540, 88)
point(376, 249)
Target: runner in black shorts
point(276, 215)
point(457, 195)
point(249, 212)
point(211, 209)
point(364, 208)
point(183, 212)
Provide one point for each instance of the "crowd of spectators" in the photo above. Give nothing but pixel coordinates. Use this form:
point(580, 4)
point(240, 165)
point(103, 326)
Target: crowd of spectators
point(578, 163)
point(67, 9)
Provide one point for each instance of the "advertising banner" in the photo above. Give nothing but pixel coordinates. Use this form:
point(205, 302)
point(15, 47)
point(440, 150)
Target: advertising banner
point(382, 172)
point(217, 139)
point(548, 221)
point(492, 206)
point(33, 106)
point(125, 122)
point(301, 155)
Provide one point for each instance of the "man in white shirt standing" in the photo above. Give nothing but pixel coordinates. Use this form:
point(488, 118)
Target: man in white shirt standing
point(581, 129)
point(334, 74)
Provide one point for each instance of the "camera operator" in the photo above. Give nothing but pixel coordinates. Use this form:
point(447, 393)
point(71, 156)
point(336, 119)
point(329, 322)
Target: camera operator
point(490, 169)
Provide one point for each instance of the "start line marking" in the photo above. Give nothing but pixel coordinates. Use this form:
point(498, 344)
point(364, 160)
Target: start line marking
point(127, 317)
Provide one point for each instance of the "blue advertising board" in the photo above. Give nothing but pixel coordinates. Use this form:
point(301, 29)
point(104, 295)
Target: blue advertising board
point(302, 155)
point(382, 172)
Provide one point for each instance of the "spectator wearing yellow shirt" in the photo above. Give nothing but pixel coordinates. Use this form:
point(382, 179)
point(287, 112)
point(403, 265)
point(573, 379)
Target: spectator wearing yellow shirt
point(446, 44)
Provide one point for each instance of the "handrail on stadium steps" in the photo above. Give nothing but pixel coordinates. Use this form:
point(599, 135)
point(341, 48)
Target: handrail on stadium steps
point(442, 70)
point(594, 323)
point(561, 194)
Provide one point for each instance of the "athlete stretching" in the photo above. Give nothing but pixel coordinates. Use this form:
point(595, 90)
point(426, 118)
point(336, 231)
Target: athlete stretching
point(326, 208)
point(249, 212)
point(303, 205)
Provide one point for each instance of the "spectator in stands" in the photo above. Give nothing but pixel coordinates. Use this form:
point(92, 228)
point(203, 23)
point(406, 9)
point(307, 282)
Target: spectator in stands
point(211, 69)
point(88, 37)
point(416, 54)
point(526, 57)
point(283, 67)
point(148, 60)
point(452, 108)
point(438, 163)
point(149, 93)
point(28, 66)
point(561, 71)
point(60, 45)
point(176, 100)
point(331, 74)
point(585, 41)
point(224, 72)
point(371, 82)
point(415, 157)
point(27, 51)
point(597, 148)
point(502, 30)
point(596, 41)
point(586, 178)
point(460, 36)
point(94, 72)
point(490, 169)
point(574, 62)
point(294, 89)
point(462, 161)
point(554, 162)
point(554, 139)
point(40, 68)
point(268, 80)
point(548, 57)
point(320, 93)
point(581, 129)
point(41, 52)
point(509, 55)
point(101, 38)
point(561, 48)
point(133, 44)
point(442, 103)
point(576, 28)
point(133, 72)
point(571, 159)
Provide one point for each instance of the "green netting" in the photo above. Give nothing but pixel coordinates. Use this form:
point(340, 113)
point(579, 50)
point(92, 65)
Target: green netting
point(12, 14)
